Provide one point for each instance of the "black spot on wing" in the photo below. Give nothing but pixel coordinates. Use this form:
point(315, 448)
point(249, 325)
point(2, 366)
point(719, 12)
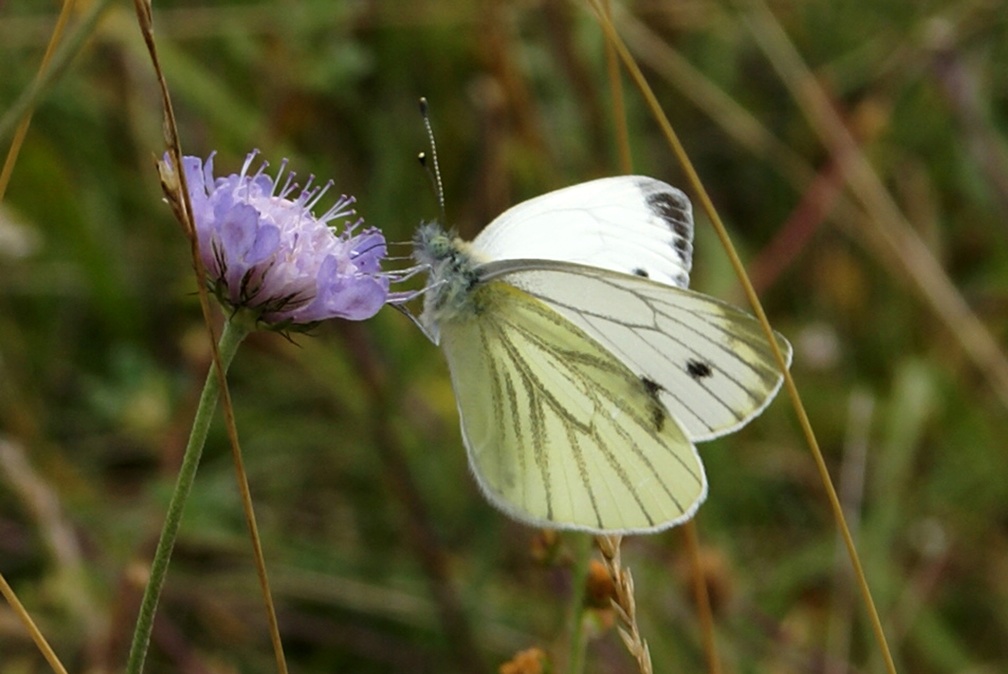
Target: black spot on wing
point(641, 272)
point(657, 410)
point(651, 387)
point(697, 369)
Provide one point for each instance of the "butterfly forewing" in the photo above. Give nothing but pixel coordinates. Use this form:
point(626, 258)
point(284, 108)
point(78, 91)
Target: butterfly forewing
point(630, 224)
point(711, 363)
point(559, 431)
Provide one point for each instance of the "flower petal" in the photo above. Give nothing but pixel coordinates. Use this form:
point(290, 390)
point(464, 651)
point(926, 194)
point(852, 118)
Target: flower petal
point(268, 252)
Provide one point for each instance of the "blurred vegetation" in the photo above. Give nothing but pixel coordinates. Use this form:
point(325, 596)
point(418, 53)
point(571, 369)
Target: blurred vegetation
point(383, 555)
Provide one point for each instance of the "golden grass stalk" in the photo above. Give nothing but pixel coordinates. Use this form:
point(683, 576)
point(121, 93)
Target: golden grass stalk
point(7, 453)
point(624, 603)
point(888, 222)
point(705, 201)
point(177, 192)
point(690, 534)
point(28, 100)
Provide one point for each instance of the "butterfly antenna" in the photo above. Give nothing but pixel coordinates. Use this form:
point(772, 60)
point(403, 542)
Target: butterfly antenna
point(434, 171)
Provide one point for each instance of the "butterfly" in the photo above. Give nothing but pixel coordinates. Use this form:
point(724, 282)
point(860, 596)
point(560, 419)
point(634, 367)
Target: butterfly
point(583, 368)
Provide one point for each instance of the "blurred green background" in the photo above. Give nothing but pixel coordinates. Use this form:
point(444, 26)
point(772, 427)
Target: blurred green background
point(383, 555)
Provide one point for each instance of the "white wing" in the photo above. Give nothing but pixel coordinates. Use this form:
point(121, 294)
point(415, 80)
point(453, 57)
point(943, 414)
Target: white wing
point(710, 361)
point(559, 432)
point(630, 224)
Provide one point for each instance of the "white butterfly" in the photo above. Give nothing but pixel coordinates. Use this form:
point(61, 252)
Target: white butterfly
point(583, 368)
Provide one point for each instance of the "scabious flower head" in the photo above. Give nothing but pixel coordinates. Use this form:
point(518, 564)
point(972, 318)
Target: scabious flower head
point(265, 251)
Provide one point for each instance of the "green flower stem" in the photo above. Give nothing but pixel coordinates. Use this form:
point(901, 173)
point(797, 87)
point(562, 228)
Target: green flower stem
point(235, 330)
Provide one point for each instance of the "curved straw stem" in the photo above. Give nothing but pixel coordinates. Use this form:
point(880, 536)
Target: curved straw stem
point(702, 597)
point(21, 108)
point(889, 223)
point(789, 384)
point(33, 630)
point(173, 182)
point(250, 520)
point(618, 103)
point(689, 529)
point(22, 128)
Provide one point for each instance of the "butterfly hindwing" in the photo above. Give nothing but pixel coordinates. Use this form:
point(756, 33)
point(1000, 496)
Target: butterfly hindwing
point(710, 361)
point(560, 432)
point(630, 224)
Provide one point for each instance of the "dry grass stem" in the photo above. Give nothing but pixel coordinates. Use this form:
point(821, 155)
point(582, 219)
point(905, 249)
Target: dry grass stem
point(624, 604)
point(177, 192)
point(675, 144)
point(11, 463)
point(22, 128)
point(889, 223)
point(875, 221)
point(700, 593)
point(42, 502)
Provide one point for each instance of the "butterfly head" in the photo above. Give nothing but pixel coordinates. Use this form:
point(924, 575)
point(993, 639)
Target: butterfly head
point(432, 245)
point(453, 275)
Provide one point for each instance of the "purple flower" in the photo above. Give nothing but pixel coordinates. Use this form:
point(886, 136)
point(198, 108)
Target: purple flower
point(267, 252)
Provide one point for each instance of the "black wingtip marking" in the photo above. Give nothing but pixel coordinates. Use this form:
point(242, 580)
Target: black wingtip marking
point(658, 413)
point(675, 210)
point(697, 369)
point(684, 249)
point(641, 272)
